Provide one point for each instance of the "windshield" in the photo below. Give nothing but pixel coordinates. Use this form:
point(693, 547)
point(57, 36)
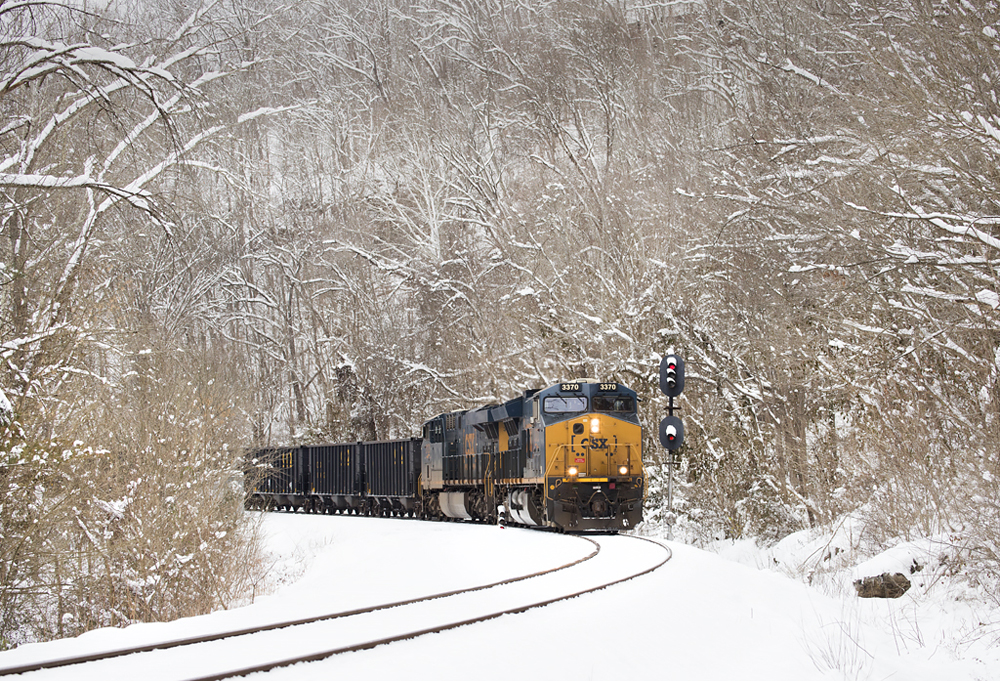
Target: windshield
point(614, 403)
point(564, 405)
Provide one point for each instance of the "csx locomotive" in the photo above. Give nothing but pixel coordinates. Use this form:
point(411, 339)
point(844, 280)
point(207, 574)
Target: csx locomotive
point(568, 457)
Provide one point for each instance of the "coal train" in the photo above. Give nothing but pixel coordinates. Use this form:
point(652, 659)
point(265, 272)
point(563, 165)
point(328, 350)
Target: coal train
point(568, 457)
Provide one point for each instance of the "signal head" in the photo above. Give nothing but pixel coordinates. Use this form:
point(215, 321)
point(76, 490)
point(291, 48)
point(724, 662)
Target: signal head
point(672, 375)
point(671, 432)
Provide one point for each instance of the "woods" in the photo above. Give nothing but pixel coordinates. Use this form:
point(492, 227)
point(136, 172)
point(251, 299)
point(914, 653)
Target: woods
point(228, 224)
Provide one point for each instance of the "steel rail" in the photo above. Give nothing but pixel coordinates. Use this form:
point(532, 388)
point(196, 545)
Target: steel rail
point(368, 645)
point(219, 636)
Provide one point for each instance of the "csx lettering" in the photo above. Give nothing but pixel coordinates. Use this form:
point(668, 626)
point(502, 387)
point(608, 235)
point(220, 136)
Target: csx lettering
point(595, 442)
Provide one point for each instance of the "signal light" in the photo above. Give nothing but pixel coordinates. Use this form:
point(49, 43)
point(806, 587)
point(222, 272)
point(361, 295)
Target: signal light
point(672, 375)
point(595, 426)
point(623, 470)
point(572, 471)
point(671, 432)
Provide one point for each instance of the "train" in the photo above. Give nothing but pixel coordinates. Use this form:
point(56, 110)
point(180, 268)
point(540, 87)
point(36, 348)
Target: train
point(567, 457)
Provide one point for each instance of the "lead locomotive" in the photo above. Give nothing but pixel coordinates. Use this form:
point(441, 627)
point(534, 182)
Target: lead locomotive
point(567, 457)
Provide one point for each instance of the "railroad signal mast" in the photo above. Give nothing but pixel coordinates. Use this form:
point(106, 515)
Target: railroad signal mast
point(671, 427)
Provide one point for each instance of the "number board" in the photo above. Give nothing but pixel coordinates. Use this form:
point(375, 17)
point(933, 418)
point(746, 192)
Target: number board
point(569, 388)
point(608, 388)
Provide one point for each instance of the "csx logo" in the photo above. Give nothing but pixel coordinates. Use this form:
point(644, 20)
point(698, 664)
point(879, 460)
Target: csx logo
point(595, 442)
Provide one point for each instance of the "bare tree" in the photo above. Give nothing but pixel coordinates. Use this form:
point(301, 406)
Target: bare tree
point(105, 117)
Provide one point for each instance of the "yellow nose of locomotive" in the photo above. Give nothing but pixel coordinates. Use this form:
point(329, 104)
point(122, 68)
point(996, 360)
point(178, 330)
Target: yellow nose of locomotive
point(595, 472)
point(594, 446)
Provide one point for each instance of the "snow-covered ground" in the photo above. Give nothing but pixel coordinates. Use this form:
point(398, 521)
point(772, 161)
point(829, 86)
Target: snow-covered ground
point(702, 615)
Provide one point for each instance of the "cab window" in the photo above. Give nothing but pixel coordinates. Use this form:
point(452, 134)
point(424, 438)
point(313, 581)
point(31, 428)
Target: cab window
point(564, 405)
point(614, 403)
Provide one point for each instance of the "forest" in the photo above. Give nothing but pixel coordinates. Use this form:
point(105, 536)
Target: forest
point(232, 223)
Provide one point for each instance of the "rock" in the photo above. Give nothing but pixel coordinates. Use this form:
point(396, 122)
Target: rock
point(884, 585)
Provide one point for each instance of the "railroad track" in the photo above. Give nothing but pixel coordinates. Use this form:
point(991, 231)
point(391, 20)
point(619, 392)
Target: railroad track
point(279, 644)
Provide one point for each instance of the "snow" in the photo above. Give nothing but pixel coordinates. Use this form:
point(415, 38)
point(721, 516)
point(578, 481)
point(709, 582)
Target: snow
point(988, 297)
point(703, 615)
point(6, 408)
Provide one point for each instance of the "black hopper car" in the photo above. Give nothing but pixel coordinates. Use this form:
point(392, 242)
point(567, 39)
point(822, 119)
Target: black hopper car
point(567, 457)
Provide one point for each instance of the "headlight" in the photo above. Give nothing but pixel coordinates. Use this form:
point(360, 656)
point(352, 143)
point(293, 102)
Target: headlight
point(595, 426)
point(623, 470)
point(572, 471)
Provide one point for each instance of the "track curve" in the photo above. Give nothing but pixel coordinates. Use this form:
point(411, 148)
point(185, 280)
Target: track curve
point(280, 644)
point(233, 633)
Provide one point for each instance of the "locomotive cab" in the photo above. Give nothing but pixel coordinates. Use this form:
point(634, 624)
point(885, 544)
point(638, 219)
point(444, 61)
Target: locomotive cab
point(593, 456)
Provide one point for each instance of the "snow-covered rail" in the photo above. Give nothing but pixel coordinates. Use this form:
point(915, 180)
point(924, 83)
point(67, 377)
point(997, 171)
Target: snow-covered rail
point(615, 559)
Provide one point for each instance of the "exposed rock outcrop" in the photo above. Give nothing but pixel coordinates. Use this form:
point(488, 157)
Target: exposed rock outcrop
point(884, 585)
